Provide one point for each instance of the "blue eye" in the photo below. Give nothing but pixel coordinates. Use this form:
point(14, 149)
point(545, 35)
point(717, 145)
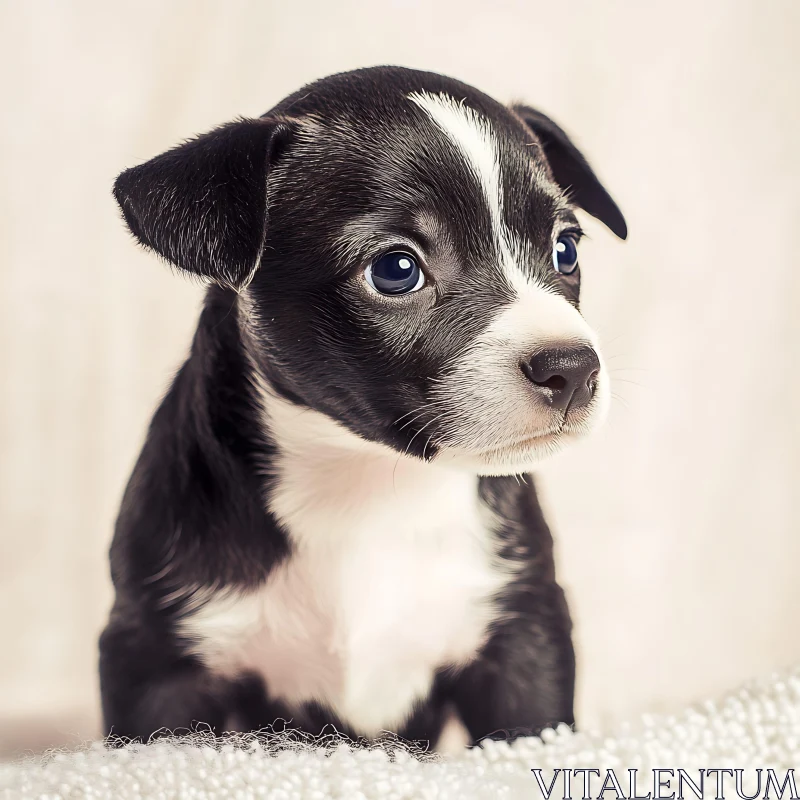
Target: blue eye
point(565, 255)
point(395, 273)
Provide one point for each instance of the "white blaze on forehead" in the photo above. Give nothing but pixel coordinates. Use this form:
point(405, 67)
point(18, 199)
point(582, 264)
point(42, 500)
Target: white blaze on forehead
point(473, 136)
point(538, 319)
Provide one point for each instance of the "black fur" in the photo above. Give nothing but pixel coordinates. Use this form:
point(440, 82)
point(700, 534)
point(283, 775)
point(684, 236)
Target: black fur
point(261, 205)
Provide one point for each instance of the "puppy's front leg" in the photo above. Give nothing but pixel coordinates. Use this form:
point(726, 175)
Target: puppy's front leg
point(148, 687)
point(524, 678)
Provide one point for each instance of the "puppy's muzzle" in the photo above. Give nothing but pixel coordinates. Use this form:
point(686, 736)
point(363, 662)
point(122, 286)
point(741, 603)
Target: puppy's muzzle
point(564, 377)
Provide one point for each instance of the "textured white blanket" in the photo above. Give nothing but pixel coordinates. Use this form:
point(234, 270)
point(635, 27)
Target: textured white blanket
point(755, 727)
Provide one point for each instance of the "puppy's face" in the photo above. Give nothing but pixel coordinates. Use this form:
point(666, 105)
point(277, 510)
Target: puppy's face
point(407, 259)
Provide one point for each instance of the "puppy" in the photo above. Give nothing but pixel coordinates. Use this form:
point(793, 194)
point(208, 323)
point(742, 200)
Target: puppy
point(327, 523)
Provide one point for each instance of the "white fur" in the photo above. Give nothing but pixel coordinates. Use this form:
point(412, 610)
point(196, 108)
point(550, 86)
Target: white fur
point(392, 576)
point(472, 135)
point(454, 736)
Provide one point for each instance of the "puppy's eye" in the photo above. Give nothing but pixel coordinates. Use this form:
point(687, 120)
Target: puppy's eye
point(565, 255)
point(395, 273)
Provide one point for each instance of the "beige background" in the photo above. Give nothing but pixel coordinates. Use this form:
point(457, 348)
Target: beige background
point(677, 530)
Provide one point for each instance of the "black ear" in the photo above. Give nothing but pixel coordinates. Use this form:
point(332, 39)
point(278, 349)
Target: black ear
point(203, 204)
point(571, 171)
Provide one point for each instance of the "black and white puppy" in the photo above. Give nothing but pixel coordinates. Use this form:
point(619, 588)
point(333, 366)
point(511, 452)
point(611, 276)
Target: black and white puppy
point(326, 524)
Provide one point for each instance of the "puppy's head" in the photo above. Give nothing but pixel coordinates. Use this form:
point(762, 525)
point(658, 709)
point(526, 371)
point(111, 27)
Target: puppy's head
point(407, 250)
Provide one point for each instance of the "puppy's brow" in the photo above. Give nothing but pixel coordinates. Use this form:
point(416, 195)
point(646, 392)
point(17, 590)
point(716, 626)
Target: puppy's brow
point(431, 228)
point(365, 236)
point(565, 216)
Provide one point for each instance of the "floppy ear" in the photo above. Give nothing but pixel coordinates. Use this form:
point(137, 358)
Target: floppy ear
point(571, 170)
point(203, 205)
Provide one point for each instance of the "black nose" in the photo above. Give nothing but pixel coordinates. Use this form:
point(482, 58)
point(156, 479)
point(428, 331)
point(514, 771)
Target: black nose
point(566, 376)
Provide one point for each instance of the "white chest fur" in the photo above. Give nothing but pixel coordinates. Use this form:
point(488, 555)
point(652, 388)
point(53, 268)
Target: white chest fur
point(393, 575)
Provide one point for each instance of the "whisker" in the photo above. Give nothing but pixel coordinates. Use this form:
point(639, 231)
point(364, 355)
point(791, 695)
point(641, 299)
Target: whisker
point(419, 411)
point(629, 369)
point(633, 383)
point(621, 400)
point(411, 441)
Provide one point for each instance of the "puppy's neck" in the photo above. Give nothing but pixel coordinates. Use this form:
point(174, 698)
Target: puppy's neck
point(323, 475)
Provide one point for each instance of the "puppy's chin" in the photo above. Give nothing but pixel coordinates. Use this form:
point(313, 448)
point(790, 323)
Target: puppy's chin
point(514, 459)
point(525, 455)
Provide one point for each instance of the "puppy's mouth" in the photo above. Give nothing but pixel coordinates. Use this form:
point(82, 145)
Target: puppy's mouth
point(571, 426)
point(524, 443)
